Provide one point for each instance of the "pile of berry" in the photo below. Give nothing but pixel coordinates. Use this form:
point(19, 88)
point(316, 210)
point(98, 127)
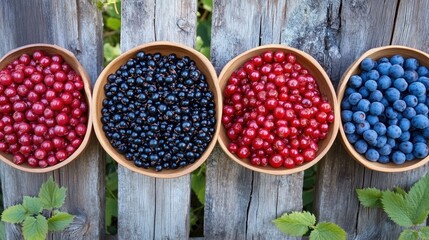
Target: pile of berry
point(159, 111)
point(43, 111)
point(273, 111)
point(385, 110)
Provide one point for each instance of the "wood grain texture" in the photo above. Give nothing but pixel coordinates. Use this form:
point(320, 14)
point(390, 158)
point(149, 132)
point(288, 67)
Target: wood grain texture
point(76, 27)
point(162, 204)
point(339, 175)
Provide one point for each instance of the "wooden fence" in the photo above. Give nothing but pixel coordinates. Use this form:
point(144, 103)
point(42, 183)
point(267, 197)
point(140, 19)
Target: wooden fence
point(240, 204)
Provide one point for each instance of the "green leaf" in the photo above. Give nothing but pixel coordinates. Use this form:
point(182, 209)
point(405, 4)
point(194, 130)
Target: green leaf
point(60, 221)
point(111, 52)
point(205, 51)
point(327, 231)
point(295, 223)
point(307, 197)
point(417, 200)
point(51, 195)
point(32, 204)
point(2, 231)
point(35, 228)
point(14, 214)
point(424, 233)
point(395, 205)
point(400, 191)
point(408, 234)
point(113, 23)
point(369, 197)
point(199, 43)
point(198, 185)
point(207, 4)
point(111, 210)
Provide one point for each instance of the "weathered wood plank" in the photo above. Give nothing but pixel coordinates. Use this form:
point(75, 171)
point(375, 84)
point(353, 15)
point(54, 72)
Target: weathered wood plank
point(162, 205)
point(77, 27)
point(339, 175)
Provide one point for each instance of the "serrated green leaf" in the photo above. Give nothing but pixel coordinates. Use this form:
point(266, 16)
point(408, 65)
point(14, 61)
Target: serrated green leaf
point(369, 197)
point(417, 200)
point(395, 205)
point(59, 221)
point(400, 191)
point(327, 231)
point(198, 185)
point(408, 234)
point(33, 205)
point(424, 233)
point(14, 214)
point(113, 23)
point(51, 195)
point(295, 223)
point(35, 228)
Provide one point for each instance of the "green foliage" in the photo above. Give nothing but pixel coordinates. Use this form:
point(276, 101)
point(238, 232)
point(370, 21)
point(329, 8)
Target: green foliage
point(308, 188)
point(408, 210)
point(299, 223)
point(30, 214)
point(198, 183)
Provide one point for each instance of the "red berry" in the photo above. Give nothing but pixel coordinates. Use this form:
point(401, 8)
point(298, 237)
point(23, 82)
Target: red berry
point(61, 155)
point(276, 161)
point(243, 152)
point(18, 158)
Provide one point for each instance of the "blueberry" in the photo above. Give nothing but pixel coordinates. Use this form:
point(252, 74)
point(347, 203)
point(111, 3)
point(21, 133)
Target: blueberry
point(364, 92)
point(384, 82)
point(372, 119)
point(420, 121)
point(361, 146)
point(381, 141)
point(391, 142)
point(345, 105)
point(375, 96)
point(383, 60)
point(409, 156)
point(425, 133)
point(363, 105)
point(392, 94)
point(372, 155)
point(349, 91)
point(383, 68)
point(423, 71)
point(418, 138)
point(397, 59)
point(417, 89)
point(396, 71)
point(352, 138)
point(370, 136)
point(354, 98)
point(393, 121)
point(384, 102)
point(380, 128)
point(411, 64)
point(367, 64)
point(406, 147)
point(394, 131)
point(425, 81)
point(400, 84)
point(390, 113)
point(362, 127)
point(409, 112)
point(347, 115)
point(411, 100)
point(384, 159)
point(404, 124)
point(420, 150)
point(376, 108)
point(355, 81)
point(399, 105)
point(398, 157)
point(421, 98)
point(371, 85)
point(373, 74)
point(359, 117)
point(349, 128)
point(385, 150)
point(421, 109)
point(411, 76)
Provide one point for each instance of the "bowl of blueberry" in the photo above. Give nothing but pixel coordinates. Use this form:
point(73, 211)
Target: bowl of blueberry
point(44, 108)
point(157, 109)
point(280, 113)
point(384, 109)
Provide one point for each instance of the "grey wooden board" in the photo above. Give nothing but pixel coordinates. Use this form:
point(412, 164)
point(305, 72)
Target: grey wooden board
point(75, 25)
point(364, 25)
point(152, 208)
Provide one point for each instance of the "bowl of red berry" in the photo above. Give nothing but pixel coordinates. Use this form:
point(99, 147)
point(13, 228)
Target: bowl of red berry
point(279, 113)
point(44, 111)
point(157, 109)
point(384, 109)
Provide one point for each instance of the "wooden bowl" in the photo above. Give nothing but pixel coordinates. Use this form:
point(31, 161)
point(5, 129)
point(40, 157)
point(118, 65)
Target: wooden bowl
point(377, 53)
point(164, 48)
point(325, 87)
point(70, 59)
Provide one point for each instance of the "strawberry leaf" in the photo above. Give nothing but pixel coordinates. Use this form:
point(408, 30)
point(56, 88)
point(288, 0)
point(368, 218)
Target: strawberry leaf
point(296, 223)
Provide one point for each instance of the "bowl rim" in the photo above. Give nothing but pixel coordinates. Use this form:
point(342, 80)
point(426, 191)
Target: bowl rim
point(375, 166)
point(334, 125)
point(88, 94)
point(98, 95)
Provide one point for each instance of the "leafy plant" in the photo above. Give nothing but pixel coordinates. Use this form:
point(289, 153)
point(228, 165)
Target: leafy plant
point(40, 215)
point(298, 224)
point(407, 209)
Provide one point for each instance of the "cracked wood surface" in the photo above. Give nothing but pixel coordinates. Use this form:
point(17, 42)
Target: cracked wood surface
point(78, 28)
point(152, 208)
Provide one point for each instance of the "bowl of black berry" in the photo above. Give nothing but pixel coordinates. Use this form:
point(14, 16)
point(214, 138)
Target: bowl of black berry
point(384, 109)
point(157, 109)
